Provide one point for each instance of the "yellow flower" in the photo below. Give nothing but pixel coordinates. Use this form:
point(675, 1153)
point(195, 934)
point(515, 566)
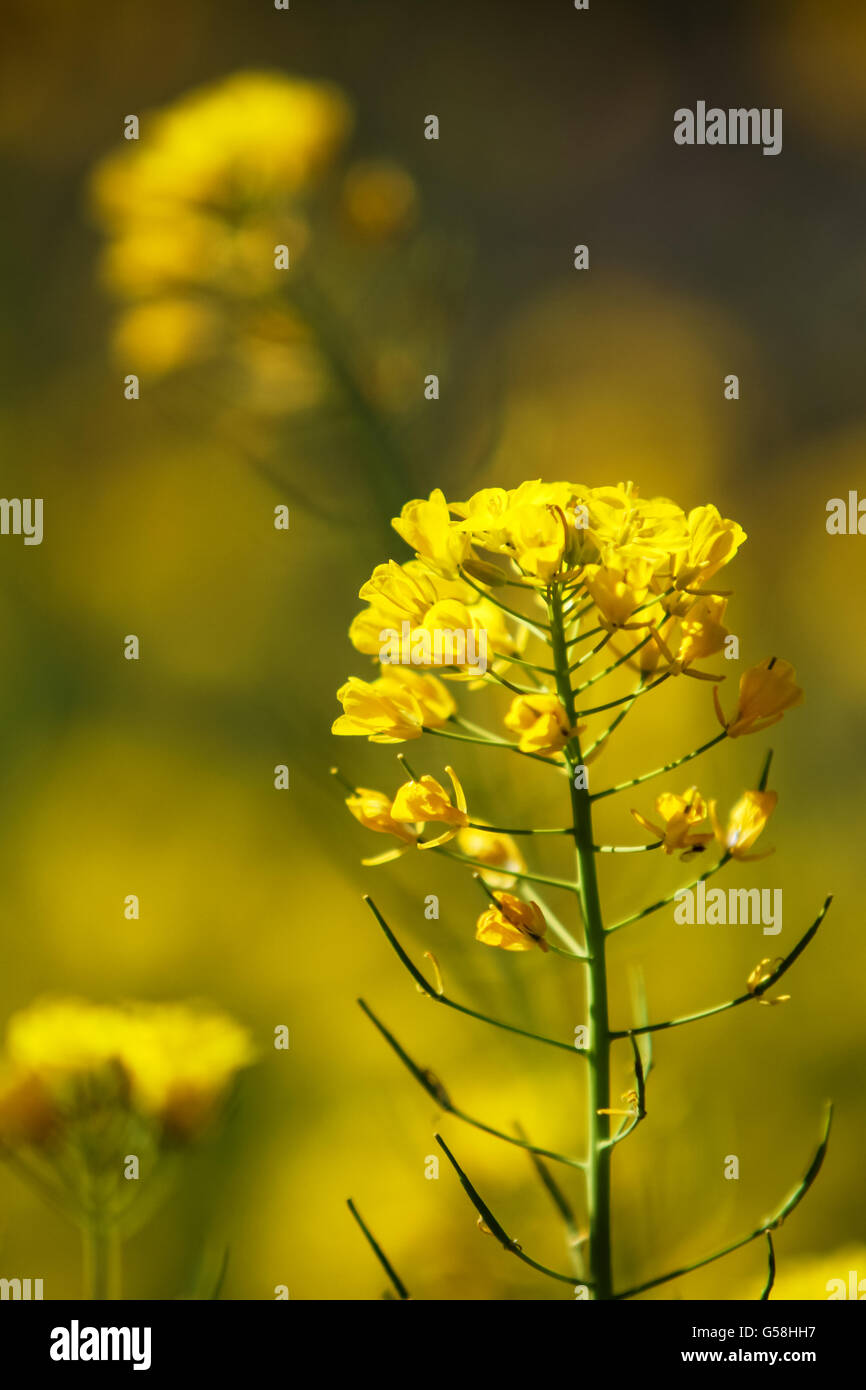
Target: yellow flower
point(746, 822)
point(678, 814)
point(617, 592)
point(766, 691)
point(525, 523)
point(394, 708)
point(161, 335)
point(167, 1064)
point(537, 539)
point(713, 541)
point(427, 527)
point(415, 617)
point(379, 200)
point(627, 527)
point(512, 924)
point(703, 633)
point(541, 722)
point(245, 139)
point(373, 810)
point(181, 1061)
point(493, 848)
point(427, 800)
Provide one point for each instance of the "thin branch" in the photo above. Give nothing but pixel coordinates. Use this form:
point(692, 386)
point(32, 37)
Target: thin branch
point(430, 1083)
point(657, 772)
point(624, 699)
point(492, 1225)
point(399, 1286)
point(565, 884)
point(771, 1269)
point(540, 629)
point(771, 1224)
point(671, 897)
point(640, 1090)
point(755, 993)
point(492, 743)
point(425, 985)
point(627, 849)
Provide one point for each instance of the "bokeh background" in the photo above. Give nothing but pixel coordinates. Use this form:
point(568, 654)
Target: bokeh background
point(156, 777)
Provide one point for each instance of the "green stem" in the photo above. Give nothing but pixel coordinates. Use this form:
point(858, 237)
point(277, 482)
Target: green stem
point(101, 1259)
point(599, 1257)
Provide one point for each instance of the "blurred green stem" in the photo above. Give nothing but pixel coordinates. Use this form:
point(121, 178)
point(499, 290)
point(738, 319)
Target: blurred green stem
point(101, 1258)
point(599, 1272)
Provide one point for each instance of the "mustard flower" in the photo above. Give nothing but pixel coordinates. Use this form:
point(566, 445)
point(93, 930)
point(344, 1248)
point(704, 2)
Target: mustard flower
point(746, 822)
point(766, 692)
point(373, 810)
point(394, 708)
point(541, 722)
point(678, 816)
point(712, 542)
point(512, 924)
point(427, 800)
point(617, 592)
point(427, 527)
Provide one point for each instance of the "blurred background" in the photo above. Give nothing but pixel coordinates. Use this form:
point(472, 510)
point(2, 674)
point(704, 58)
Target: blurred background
point(155, 777)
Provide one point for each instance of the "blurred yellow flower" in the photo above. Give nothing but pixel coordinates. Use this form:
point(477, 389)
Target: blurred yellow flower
point(246, 139)
point(766, 691)
point(373, 810)
point(379, 199)
point(499, 851)
point(512, 924)
point(541, 722)
point(678, 814)
point(170, 1064)
point(747, 820)
point(161, 335)
point(393, 708)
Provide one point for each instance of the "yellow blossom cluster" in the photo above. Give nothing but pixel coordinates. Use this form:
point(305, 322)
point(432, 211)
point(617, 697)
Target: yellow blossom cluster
point(638, 573)
point(68, 1062)
point(196, 207)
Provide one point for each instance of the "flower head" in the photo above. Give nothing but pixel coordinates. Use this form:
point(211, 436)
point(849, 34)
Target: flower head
point(159, 1067)
point(746, 822)
point(512, 924)
point(712, 542)
point(373, 810)
point(678, 816)
point(427, 527)
point(541, 722)
point(703, 633)
point(618, 591)
point(394, 708)
point(427, 800)
point(766, 691)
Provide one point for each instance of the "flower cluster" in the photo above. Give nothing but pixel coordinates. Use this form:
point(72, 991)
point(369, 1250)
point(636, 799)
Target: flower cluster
point(196, 207)
point(635, 574)
point(72, 1067)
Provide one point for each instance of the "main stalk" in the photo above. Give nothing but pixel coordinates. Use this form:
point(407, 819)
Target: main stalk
point(599, 1272)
